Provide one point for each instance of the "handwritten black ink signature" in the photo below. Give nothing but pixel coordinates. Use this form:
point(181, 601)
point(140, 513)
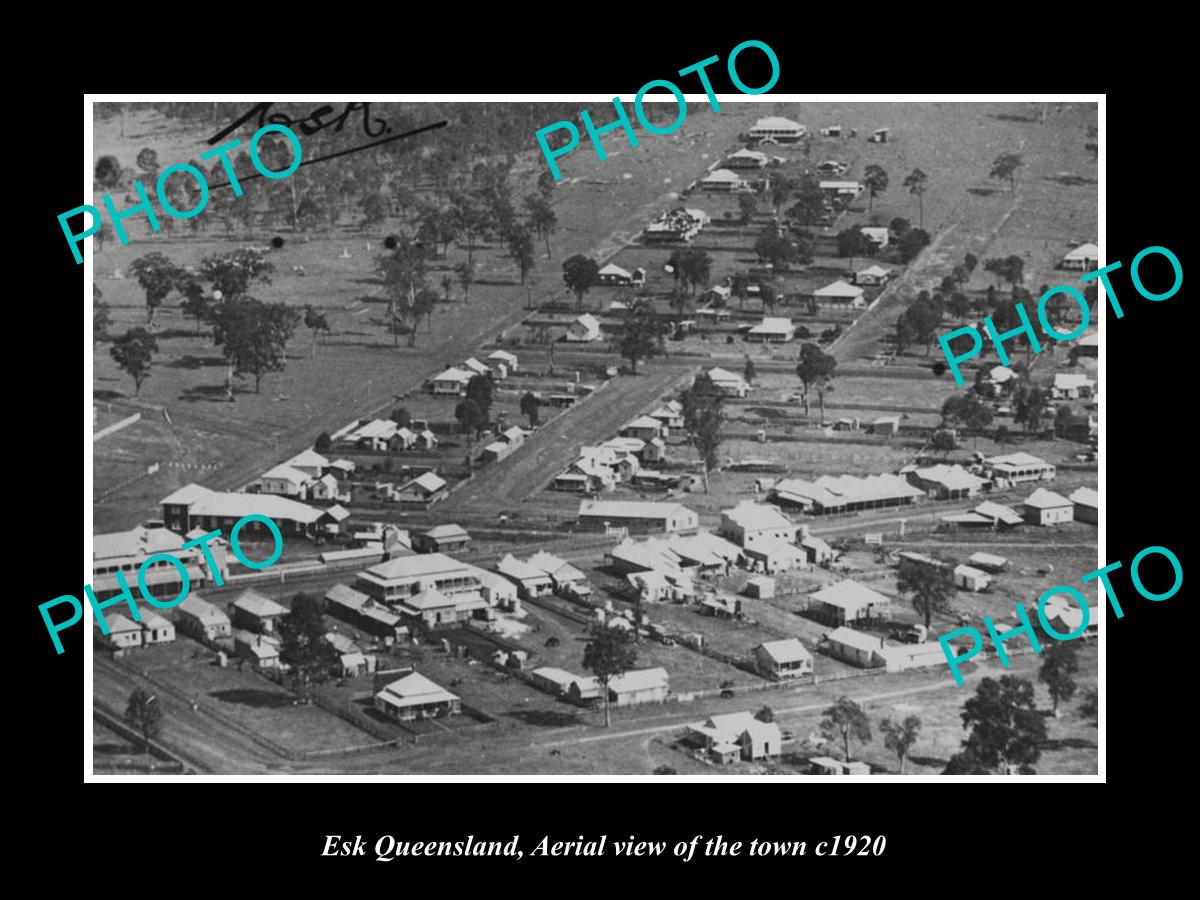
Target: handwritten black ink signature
point(310, 124)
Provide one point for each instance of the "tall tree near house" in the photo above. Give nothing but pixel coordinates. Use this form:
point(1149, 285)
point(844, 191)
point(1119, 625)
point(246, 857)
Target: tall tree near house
point(543, 335)
point(580, 274)
point(254, 336)
point(959, 305)
point(316, 322)
point(875, 179)
point(481, 390)
point(101, 317)
point(531, 404)
point(769, 297)
point(942, 442)
point(851, 242)
point(1008, 268)
point(424, 303)
point(748, 373)
point(1006, 729)
point(781, 189)
point(642, 335)
point(931, 587)
point(133, 352)
point(374, 209)
point(703, 414)
point(678, 301)
point(403, 274)
point(542, 218)
point(310, 658)
point(472, 419)
point(738, 283)
point(466, 277)
point(108, 172)
point(765, 714)
point(774, 248)
point(815, 369)
point(447, 284)
point(1029, 406)
point(899, 737)
point(845, 721)
point(1005, 167)
point(520, 245)
point(916, 183)
point(1059, 665)
point(747, 207)
point(143, 713)
point(470, 217)
point(158, 276)
point(608, 654)
point(811, 204)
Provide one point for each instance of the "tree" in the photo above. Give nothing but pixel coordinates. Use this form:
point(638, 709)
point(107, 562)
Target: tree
point(108, 172)
point(765, 714)
point(232, 274)
point(481, 389)
point(470, 417)
point(579, 274)
point(738, 283)
point(1029, 406)
point(403, 274)
point(703, 415)
point(911, 243)
point(875, 179)
point(423, 304)
point(133, 352)
point(967, 410)
point(374, 209)
point(1059, 664)
point(748, 373)
point(196, 303)
point(447, 284)
point(691, 266)
point(641, 336)
point(147, 160)
point(959, 305)
point(543, 334)
point(815, 369)
point(775, 249)
point(608, 654)
point(310, 658)
point(678, 301)
point(900, 226)
point(542, 218)
point(144, 715)
point(254, 337)
point(747, 206)
point(324, 442)
point(769, 297)
point(843, 721)
point(851, 242)
point(101, 318)
point(1005, 166)
point(401, 416)
point(469, 215)
point(530, 405)
point(520, 245)
point(1006, 730)
point(942, 442)
point(810, 206)
point(781, 188)
point(316, 322)
point(1089, 708)
point(916, 184)
point(158, 276)
point(466, 277)
point(899, 737)
point(931, 586)
point(1008, 268)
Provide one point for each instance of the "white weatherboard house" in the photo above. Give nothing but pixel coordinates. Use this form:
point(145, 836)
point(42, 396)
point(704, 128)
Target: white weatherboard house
point(841, 294)
point(872, 275)
point(1087, 505)
point(729, 382)
point(783, 659)
point(636, 515)
point(1082, 258)
point(971, 579)
point(746, 159)
point(733, 736)
point(772, 330)
point(584, 329)
point(749, 524)
point(849, 601)
point(1044, 507)
point(777, 128)
point(453, 381)
point(723, 180)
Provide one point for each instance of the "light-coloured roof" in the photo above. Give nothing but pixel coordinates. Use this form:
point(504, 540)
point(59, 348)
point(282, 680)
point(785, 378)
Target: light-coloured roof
point(1044, 499)
point(719, 375)
point(235, 505)
point(136, 543)
point(186, 495)
point(474, 365)
point(308, 457)
point(776, 123)
point(640, 680)
point(722, 175)
point(1085, 496)
point(454, 374)
point(749, 514)
point(876, 271)
point(561, 677)
point(840, 185)
point(344, 595)
point(746, 153)
point(850, 596)
point(203, 611)
point(954, 478)
point(988, 559)
point(416, 566)
point(430, 599)
point(520, 570)
point(831, 491)
point(614, 269)
point(786, 651)
point(1084, 251)
point(445, 532)
point(558, 568)
point(429, 481)
point(992, 510)
point(1068, 381)
point(839, 289)
point(1018, 460)
point(376, 428)
point(118, 624)
point(774, 325)
point(414, 689)
point(628, 509)
point(256, 604)
point(338, 513)
point(970, 571)
point(503, 356)
point(588, 321)
point(858, 640)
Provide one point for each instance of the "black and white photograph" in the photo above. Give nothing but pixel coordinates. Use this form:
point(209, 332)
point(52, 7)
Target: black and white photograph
point(461, 436)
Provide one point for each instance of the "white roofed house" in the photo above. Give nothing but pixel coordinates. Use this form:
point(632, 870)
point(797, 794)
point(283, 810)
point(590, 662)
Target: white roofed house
point(585, 329)
point(426, 440)
point(745, 159)
point(733, 736)
point(453, 381)
point(879, 235)
point(946, 482)
point(498, 358)
point(872, 275)
point(156, 629)
point(1083, 258)
point(255, 612)
point(586, 475)
point(645, 428)
point(777, 128)
point(422, 491)
point(856, 647)
point(783, 659)
point(670, 414)
point(989, 562)
point(416, 697)
point(323, 488)
point(819, 552)
point(771, 556)
point(636, 515)
point(310, 462)
point(475, 367)
point(403, 439)
point(194, 506)
point(614, 274)
point(123, 633)
point(971, 579)
point(373, 435)
point(639, 686)
point(841, 294)
point(497, 591)
point(126, 551)
point(1044, 507)
point(845, 493)
point(723, 180)
point(1087, 505)
point(434, 609)
point(362, 612)
point(407, 576)
point(730, 383)
point(848, 601)
point(284, 481)
point(1015, 468)
point(260, 649)
point(530, 580)
point(567, 580)
point(442, 539)
point(749, 524)
point(202, 620)
point(772, 330)
point(1072, 386)
point(842, 190)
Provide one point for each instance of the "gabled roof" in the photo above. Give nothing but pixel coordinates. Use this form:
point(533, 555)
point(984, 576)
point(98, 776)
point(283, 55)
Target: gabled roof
point(1044, 499)
point(992, 510)
point(1016, 460)
point(251, 601)
point(588, 321)
point(429, 481)
point(722, 176)
point(749, 514)
point(640, 680)
point(447, 532)
point(954, 478)
point(849, 595)
point(137, 542)
point(557, 568)
point(118, 624)
point(614, 269)
point(645, 422)
point(839, 289)
point(503, 355)
point(308, 457)
point(776, 123)
point(718, 375)
point(786, 651)
point(203, 611)
point(628, 509)
point(774, 325)
point(1085, 496)
point(415, 566)
point(473, 365)
point(454, 374)
point(1067, 381)
point(414, 689)
point(1084, 251)
point(520, 570)
point(875, 271)
point(856, 639)
point(430, 599)
point(970, 571)
point(376, 428)
point(344, 595)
